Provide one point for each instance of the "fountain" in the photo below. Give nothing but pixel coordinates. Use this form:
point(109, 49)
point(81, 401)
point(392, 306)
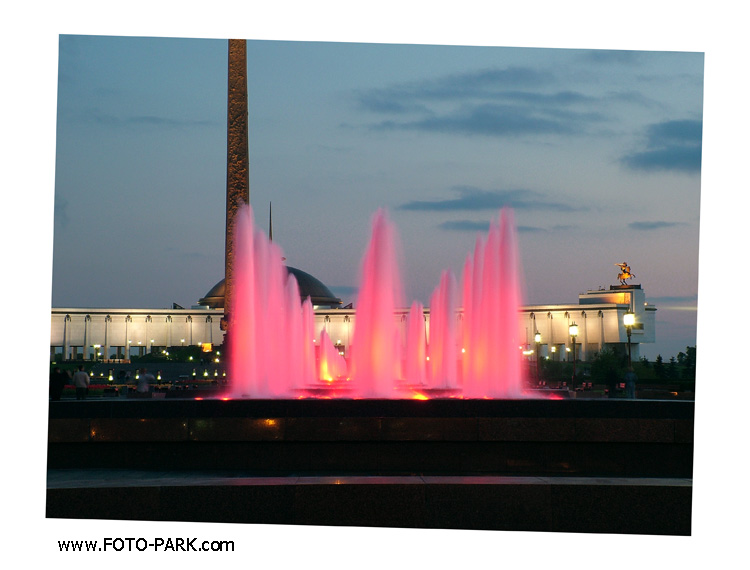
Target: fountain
point(469, 349)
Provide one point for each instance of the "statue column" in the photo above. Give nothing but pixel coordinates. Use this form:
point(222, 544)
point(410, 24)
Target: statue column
point(238, 181)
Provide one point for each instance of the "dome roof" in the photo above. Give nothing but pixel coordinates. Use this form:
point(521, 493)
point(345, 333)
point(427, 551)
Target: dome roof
point(309, 286)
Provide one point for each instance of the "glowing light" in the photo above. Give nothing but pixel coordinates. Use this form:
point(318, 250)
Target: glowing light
point(419, 396)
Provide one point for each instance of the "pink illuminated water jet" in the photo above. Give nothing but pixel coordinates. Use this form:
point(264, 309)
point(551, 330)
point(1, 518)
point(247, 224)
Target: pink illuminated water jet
point(466, 346)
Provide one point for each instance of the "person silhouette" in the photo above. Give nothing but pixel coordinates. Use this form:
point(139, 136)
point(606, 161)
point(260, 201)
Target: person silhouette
point(81, 382)
point(57, 381)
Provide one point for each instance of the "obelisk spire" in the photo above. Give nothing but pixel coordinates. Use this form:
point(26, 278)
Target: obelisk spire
point(238, 181)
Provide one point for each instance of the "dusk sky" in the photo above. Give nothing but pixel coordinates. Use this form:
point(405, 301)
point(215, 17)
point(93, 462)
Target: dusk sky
point(115, 152)
point(597, 151)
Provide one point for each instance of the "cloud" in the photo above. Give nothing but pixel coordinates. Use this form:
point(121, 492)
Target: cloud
point(676, 303)
point(670, 146)
point(110, 120)
point(482, 84)
point(483, 227)
point(497, 120)
point(610, 57)
point(675, 299)
point(647, 226)
point(475, 199)
point(465, 226)
point(493, 102)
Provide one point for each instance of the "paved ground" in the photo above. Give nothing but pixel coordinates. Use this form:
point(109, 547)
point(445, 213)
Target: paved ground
point(621, 505)
point(103, 478)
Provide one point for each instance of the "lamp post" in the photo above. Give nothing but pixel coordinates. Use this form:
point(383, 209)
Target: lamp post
point(537, 340)
point(628, 320)
point(573, 331)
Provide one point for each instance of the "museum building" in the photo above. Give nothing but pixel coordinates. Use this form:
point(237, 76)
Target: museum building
point(118, 334)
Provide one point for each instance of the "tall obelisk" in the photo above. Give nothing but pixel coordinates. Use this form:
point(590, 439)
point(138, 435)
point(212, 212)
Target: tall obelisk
point(238, 181)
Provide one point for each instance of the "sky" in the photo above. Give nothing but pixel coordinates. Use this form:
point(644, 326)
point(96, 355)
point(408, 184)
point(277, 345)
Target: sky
point(31, 178)
point(597, 151)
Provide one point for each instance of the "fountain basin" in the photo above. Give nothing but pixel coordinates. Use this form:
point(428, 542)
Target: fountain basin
point(442, 436)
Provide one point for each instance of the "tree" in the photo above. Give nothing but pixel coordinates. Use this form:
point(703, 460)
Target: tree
point(659, 368)
point(688, 371)
point(607, 368)
point(672, 372)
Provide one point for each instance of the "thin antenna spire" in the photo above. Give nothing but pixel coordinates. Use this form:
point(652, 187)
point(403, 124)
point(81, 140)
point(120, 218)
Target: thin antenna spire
point(270, 225)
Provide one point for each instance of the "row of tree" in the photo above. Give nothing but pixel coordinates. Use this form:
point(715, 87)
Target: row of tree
point(608, 368)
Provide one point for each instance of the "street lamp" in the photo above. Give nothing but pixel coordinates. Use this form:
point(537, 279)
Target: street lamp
point(573, 331)
point(537, 340)
point(628, 319)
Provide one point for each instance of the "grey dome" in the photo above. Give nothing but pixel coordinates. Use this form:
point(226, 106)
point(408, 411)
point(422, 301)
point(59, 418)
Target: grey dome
point(309, 286)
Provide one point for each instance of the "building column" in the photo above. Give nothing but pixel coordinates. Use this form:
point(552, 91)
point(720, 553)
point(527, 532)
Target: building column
point(128, 319)
point(168, 324)
point(107, 320)
point(66, 340)
point(86, 321)
point(550, 336)
point(585, 343)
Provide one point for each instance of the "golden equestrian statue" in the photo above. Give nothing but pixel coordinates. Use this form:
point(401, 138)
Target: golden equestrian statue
point(625, 272)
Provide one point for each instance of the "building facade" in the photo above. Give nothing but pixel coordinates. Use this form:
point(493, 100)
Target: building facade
point(112, 334)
